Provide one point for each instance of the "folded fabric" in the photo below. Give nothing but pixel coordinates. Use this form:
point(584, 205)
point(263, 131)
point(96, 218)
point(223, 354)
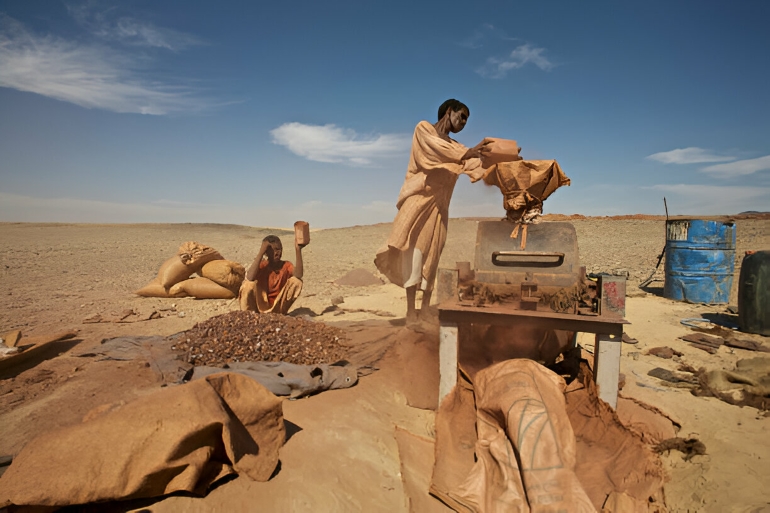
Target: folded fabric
point(181, 438)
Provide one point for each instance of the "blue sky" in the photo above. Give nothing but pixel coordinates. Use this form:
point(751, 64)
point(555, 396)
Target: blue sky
point(261, 113)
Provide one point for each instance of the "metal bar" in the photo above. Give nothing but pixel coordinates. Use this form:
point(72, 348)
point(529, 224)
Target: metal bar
point(607, 367)
point(498, 315)
point(447, 355)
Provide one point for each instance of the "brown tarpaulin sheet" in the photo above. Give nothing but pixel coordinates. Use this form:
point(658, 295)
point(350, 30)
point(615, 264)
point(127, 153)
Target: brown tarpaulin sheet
point(525, 448)
point(182, 438)
point(615, 465)
point(617, 470)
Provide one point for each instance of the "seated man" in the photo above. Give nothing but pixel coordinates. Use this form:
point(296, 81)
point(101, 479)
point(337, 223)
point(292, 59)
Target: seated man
point(271, 284)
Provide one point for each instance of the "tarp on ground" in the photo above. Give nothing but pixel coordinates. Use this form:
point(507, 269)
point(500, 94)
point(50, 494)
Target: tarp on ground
point(181, 438)
point(167, 364)
point(283, 378)
point(525, 447)
point(510, 467)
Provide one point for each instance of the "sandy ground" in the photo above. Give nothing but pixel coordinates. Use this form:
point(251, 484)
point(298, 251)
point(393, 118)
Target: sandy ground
point(342, 455)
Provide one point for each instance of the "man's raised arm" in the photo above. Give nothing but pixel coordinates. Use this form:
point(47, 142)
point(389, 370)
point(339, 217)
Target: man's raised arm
point(251, 275)
point(298, 267)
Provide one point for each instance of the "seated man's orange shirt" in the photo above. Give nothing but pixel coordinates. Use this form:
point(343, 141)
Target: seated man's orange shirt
point(271, 281)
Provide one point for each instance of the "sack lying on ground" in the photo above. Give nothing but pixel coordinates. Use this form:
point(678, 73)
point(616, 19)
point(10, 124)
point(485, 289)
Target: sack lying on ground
point(197, 254)
point(613, 465)
point(191, 257)
point(181, 438)
point(521, 411)
point(201, 288)
point(225, 273)
point(189, 260)
point(153, 289)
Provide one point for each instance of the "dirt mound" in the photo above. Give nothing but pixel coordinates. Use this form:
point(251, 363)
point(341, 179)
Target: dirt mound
point(359, 278)
point(249, 336)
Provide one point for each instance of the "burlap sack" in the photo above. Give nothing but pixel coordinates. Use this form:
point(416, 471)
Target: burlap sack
point(153, 289)
point(609, 459)
point(526, 184)
point(225, 273)
point(201, 288)
point(194, 253)
point(190, 258)
point(526, 447)
point(181, 438)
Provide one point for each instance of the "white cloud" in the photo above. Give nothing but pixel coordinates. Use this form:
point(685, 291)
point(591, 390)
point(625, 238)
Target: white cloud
point(127, 30)
point(739, 168)
point(714, 199)
point(91, 76)
point(522, 55)
point(329, 143)
point(691, 155)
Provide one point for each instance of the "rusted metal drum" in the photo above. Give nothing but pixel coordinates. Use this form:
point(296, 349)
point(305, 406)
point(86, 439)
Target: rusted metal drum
point(754, 293)
point(700, 260)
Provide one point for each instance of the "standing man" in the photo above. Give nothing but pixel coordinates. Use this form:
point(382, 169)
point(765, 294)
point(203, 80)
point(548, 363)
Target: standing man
point(410, 258)
point(272, 284)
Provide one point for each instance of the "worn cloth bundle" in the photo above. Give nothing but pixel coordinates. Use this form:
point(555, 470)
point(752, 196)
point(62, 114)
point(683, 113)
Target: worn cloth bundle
point(525, 184)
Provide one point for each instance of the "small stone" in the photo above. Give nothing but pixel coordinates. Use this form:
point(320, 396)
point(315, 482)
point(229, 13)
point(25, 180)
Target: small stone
point(181, 314)
point(12, 338)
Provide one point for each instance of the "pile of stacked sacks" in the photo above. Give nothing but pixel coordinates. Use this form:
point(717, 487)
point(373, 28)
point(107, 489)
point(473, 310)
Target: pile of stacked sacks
point(216, 278)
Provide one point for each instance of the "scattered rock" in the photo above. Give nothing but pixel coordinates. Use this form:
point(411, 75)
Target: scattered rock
point(664, 352)
point(249, 336)
point(11, 338)
point(690, 447)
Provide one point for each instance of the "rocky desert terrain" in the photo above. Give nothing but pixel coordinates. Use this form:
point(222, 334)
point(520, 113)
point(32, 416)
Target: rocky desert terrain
point(80, 278)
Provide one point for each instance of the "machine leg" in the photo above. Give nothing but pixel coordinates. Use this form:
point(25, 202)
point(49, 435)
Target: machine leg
point(447, 357)
point(607, 367)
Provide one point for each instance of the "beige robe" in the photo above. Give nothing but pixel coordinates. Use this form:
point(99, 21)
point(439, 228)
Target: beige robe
point(415, 243)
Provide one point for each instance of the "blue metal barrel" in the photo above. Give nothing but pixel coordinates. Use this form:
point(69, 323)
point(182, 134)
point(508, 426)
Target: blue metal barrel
point(700, 260)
